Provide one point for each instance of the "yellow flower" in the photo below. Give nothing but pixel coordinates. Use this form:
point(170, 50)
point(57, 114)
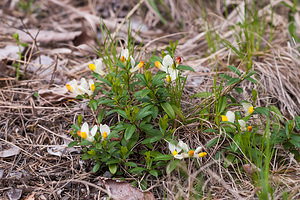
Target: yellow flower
point(202, 154)
point(242, 124)
point(249, 128)
point(86, 134)
point(139, 66)
point(125, 55)
point(97, 66)
point(191, 153)
point(228, 117)
point(104, 130)
point(248, 108)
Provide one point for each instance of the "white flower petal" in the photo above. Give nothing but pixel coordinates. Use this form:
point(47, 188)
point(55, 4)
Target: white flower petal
point(183, 146)
point(172, 147)
point(230, 115)
point(94, 130)
point(242, 124)
point(246, 107)
point(91, 82)
point(173, 73)
point(85, 128)
point(132, 62)
point(104, 128)
point(132, 70)
point(99, 66)
point(125, 53)
point(90, 138)
point(179, 156)
point(83, 83)
point(197, 150)
point(167, 61)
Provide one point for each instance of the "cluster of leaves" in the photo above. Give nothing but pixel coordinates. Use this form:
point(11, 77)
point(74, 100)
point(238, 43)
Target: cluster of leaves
point(141, 106)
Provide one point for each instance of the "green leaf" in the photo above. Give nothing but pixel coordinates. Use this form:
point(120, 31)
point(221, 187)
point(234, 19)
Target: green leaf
point(228, 161)
point(16, 36)
point(152, 139)
point(75, 127)
point(233, 81)
point(86, 156)
point(72, 144)
point(292, 31)
point(153, 5)
point(137, 170)
point(36, 94)
point(202, 95)
point(251, 80)
point(250, 73)
point(163, 157)
point(142, 93)
point(184, 67)
point(277, 111)
point(93, 104)
point(172, 165)
point(297, 122)
point(222, 103)
point(113, 161)
point(210, 130)
point(262, 110)
point(96, 167)
point(229, 45)
point(178, 111)
point(85, 143)
point(113, 168)
point(105, 101)
point(212, 142)
point(122, 113)
point(295, 138)
point(142, 114)
point(234, 70)
point(129, 131)
point(154, 173)
point(296, 144)
point(254, 95)
point(154, 111)
point(225, 76)
point(97, 76)
point(168, 109)
point(288, 128)
point(130, 164)
point(100, 116)
point(239, 90)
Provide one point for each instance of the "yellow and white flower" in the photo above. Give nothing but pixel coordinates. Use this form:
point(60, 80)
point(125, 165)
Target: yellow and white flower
point(83, 88)
point(139, 66)
point(248, 107)
point(104, 130)
point(73, 87)
point(175, 150)
point(86, 134)
point(230, 117)
point(182, 150)
point(124, 57)
point(97, 66)
point(198, 153)
point(167, 66)
point(242, 124)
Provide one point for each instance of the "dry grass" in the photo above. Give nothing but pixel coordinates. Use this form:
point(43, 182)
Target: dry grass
point(35, 126)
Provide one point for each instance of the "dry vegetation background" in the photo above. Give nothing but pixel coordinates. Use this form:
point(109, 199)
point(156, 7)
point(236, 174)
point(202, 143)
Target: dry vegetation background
point(34, 129)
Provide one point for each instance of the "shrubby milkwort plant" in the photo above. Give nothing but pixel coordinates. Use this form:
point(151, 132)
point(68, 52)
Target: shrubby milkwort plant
point(139, 100)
